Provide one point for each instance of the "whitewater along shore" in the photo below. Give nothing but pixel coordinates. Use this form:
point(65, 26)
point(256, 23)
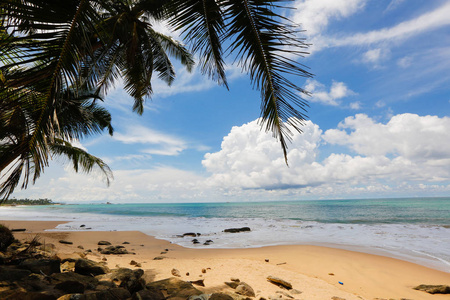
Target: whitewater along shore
point(314, 272)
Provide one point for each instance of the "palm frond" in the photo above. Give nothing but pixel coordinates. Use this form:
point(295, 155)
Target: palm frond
point(261, 38)
point(202, 24)
point(81, 160)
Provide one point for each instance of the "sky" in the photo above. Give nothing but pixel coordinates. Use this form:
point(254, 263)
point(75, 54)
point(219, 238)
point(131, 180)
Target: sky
point(378, 122)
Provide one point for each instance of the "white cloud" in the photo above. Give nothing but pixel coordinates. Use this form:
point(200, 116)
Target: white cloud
point(407, 149)
point(426, 22)
point(163, 144)
point(404, 62)
point(375, 56)
point(314, 15)
point(355, 105)
point(408, 136)
point(409, 155)
point(337, 91)
point(394, 4)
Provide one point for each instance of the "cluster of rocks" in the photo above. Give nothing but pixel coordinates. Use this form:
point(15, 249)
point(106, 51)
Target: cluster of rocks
point(209, 242)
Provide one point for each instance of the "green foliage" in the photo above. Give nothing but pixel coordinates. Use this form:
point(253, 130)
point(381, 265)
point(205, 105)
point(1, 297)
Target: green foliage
point(6, 237)
point(58, 59)
point(27, 201)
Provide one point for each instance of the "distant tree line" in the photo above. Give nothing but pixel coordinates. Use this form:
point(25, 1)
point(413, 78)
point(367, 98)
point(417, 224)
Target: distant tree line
point(27, 201)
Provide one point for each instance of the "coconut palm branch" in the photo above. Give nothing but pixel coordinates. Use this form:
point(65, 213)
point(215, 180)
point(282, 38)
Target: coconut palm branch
point(265, 44)
point(79, 117)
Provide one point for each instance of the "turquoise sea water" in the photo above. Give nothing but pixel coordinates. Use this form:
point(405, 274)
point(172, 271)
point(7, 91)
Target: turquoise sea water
point(415, 229)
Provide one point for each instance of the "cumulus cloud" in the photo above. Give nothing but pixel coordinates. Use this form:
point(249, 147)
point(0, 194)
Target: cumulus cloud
point(338, 90)
point(408, 155)
point(409, 148)
point(408, 136)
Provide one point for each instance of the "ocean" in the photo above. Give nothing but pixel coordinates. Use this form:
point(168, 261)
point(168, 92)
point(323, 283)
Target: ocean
point(412, 229)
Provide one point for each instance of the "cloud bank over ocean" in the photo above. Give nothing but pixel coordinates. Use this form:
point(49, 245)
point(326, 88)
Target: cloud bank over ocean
point(407, 155)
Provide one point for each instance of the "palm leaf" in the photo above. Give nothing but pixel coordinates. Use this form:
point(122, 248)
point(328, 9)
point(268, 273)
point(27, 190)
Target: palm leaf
point(202, 23)
point(260, 38)
point(81, 160)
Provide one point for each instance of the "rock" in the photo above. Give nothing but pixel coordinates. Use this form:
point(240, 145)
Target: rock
point(199, 282)
point(25, 295)
point(175, 288)
point(46, 266)
point(12, 274)
point(235, 230)
point(187, 273)
point(266, 260)
point(245, 290)
point(115, 250)
point(125, 243)
point(82, 225)
point(331, 274)
point(103, 243)
point(199, 297)
point(148, 295)
point(176, 273)
point(193, 234)
point(203, 270)
point(89, 282)
point(89, 267)
point(232, 284)
point(70, 287)
point(220, 296)
point(234, 279)
point(195, 241)
point(72, 297)
point(18, 230)
point(159, 258)
point(433, 289)
point(80, 247)
point(280, 282)
point(65, 242)
point(337, 298)
point(163, 252)
point(114, 293)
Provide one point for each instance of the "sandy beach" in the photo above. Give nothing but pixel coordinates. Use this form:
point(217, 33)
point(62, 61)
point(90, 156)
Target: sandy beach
point(317, 272)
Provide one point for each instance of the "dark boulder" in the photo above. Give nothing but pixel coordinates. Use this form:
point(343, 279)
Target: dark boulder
point(89, 267)
point(236, 230)
point(245, 290)
point(6, 237)
point(70, 287)
point(65, 242)
point(433, 289)
point(174, 287)
point(89, 282)
point(220, 296)
point(103, 243)
point(12, 274)
point(46, 266)
point(193, 234)
point(148, 295)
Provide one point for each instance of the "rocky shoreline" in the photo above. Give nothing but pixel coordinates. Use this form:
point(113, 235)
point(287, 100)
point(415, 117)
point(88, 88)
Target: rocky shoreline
point(30, 270)
point(87, 266)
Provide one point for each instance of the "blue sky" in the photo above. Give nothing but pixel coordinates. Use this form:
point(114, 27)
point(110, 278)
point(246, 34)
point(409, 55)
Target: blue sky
point(378, 124)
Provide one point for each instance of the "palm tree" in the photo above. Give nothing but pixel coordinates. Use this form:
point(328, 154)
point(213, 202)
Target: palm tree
point(61, 51)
